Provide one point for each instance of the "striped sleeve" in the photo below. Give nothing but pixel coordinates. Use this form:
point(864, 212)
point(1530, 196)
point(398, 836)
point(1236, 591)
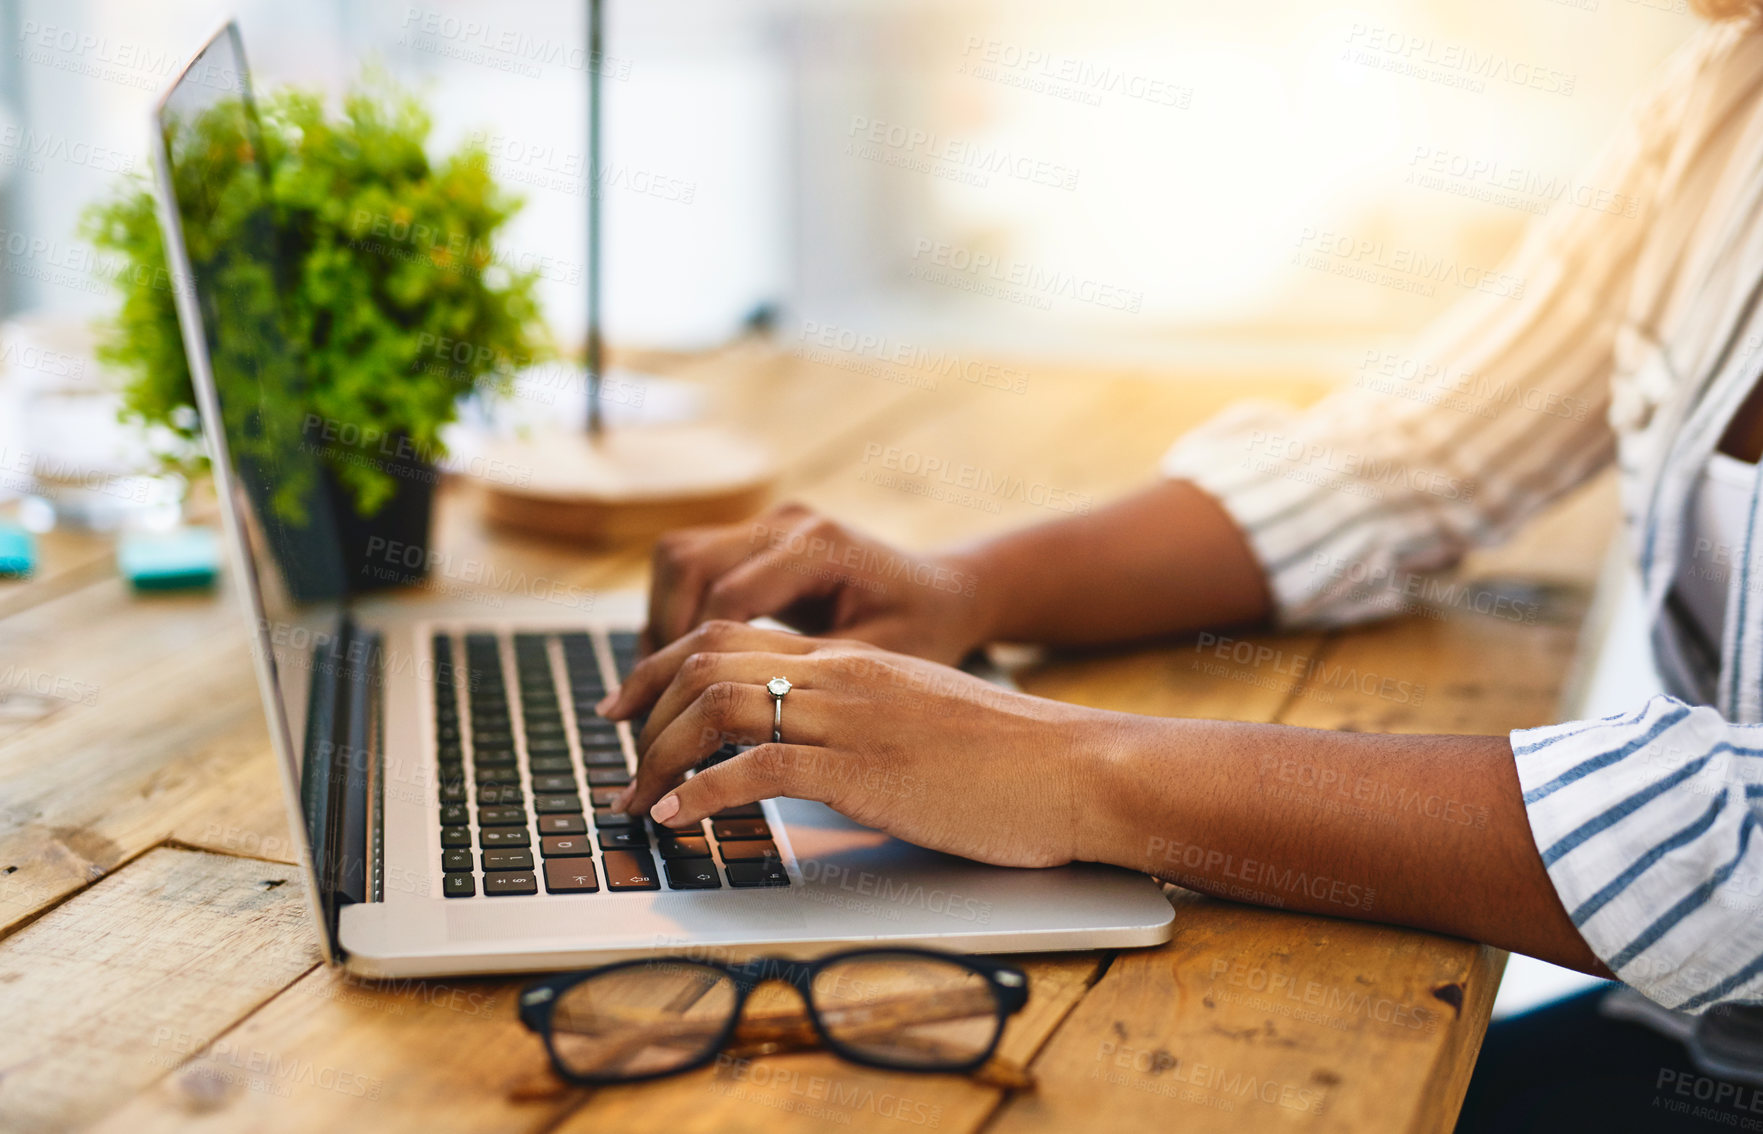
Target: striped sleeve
point(1499, 409)
point(1646, 825)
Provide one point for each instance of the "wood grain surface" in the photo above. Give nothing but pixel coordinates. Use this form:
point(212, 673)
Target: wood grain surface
point(157, 971)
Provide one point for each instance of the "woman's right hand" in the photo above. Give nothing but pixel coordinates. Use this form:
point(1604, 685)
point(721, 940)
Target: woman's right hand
point(819, 577)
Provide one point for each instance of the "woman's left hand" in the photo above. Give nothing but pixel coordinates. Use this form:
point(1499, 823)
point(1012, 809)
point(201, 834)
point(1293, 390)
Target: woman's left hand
point(922, 751)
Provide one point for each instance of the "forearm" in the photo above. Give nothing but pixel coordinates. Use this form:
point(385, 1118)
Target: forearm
point(1164, 560)
point(1426, 831)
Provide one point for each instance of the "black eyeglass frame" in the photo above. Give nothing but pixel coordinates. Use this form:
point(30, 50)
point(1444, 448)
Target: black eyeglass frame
point(1007, 983)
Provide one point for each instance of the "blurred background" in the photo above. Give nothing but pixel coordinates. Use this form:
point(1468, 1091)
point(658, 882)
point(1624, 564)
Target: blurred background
point(1118, 182)
point(1141, 173)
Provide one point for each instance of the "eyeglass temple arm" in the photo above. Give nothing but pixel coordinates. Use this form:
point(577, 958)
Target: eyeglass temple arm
point(854, 1022)
point(791, 1030)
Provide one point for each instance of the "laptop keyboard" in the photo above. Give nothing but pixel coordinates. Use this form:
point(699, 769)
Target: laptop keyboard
point(527, 769)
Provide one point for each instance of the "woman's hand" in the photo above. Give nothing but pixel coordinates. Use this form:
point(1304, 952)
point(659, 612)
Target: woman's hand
point(817, 576)
point(919, 750)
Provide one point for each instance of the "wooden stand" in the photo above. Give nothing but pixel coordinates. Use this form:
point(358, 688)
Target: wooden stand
point(630, 484)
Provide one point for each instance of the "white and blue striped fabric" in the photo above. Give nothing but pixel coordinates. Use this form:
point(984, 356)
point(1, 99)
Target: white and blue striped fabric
point(1631, 332)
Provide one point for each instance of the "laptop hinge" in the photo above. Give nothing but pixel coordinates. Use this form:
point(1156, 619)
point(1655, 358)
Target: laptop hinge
point(340, 778)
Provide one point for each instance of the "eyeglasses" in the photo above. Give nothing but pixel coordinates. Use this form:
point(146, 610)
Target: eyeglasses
point(898, 1009)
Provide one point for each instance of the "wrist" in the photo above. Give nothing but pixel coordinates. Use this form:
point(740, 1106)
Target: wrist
point(1112, 821)
point(981, 595)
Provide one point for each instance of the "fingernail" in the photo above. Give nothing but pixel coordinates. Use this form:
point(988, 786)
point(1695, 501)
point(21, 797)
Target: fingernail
point(666, 809)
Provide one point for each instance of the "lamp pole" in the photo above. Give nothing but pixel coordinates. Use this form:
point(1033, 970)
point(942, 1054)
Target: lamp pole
point(596, 43)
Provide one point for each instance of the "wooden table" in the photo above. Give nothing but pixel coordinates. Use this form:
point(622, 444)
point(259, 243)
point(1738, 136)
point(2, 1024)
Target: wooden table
point(157, 970)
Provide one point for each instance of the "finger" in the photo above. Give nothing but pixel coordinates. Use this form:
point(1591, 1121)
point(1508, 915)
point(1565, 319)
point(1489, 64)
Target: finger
point(656, 672)
point(686, 562)
point(725, 710)
point(684, 565)
point(769, 583)
point(764, 772)
point(700, 671)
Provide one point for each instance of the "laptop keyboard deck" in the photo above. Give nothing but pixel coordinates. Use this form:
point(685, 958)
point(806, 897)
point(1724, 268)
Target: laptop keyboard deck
point(520, 747)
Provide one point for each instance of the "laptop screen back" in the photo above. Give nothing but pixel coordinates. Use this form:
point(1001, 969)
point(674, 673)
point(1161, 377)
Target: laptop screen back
point(231, 277)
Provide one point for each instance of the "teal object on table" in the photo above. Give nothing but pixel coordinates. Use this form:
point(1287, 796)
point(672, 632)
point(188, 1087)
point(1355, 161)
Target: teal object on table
point(18, 552)
point(178, 560)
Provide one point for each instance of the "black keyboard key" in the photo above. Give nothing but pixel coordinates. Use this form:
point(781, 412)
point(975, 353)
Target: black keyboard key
point(746, 811)
point(497, 778)
point(510, 796)
point(726, 752)
point(565, 846)
point(608, 777)
point(497, 837)
point(507, 860)
point(676, 847)
point(452, 791)
point(548, 746)
point(492, 738)
point(606, 820)
point(571, 876)
point(768, 872)
point(729, 829)
point(553, 785)
point(456, 860)
point(562, 825)
point(558, 804)
point(750, 850)
point(459, 885)
point(501, 816)
point(544, 726)
point(604, 758)
point(603, 796)
point(692, 874)
point(511, 882)
point(549, 765)
point(454, 815)
point(456, 836)
point(624, 838)
point(629, 870)
point(492, 755)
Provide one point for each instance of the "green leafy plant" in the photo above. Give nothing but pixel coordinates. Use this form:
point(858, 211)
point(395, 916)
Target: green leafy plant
point(394, 303)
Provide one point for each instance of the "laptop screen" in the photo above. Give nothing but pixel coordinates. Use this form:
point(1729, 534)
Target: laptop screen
point(232, 275)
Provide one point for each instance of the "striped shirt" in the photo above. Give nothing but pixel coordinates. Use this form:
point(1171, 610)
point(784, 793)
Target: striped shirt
point(1628, 328)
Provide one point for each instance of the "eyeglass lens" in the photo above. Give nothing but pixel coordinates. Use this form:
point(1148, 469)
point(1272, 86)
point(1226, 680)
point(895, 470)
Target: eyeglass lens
point(644, 1020)
point(907, 1010)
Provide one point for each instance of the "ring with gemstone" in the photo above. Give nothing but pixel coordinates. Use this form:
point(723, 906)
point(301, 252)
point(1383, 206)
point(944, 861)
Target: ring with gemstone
point(777, 687)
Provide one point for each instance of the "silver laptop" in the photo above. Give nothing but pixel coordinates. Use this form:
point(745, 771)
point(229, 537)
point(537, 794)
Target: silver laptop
point(445, 773)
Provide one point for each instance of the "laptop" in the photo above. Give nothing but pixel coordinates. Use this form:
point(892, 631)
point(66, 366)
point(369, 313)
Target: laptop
point(445, 774)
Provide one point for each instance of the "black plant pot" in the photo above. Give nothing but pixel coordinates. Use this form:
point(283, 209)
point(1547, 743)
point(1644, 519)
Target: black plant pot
point(338, 552)
point(391, 547)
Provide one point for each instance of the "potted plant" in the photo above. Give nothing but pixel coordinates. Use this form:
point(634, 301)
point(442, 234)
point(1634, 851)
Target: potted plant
point(393, 306)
